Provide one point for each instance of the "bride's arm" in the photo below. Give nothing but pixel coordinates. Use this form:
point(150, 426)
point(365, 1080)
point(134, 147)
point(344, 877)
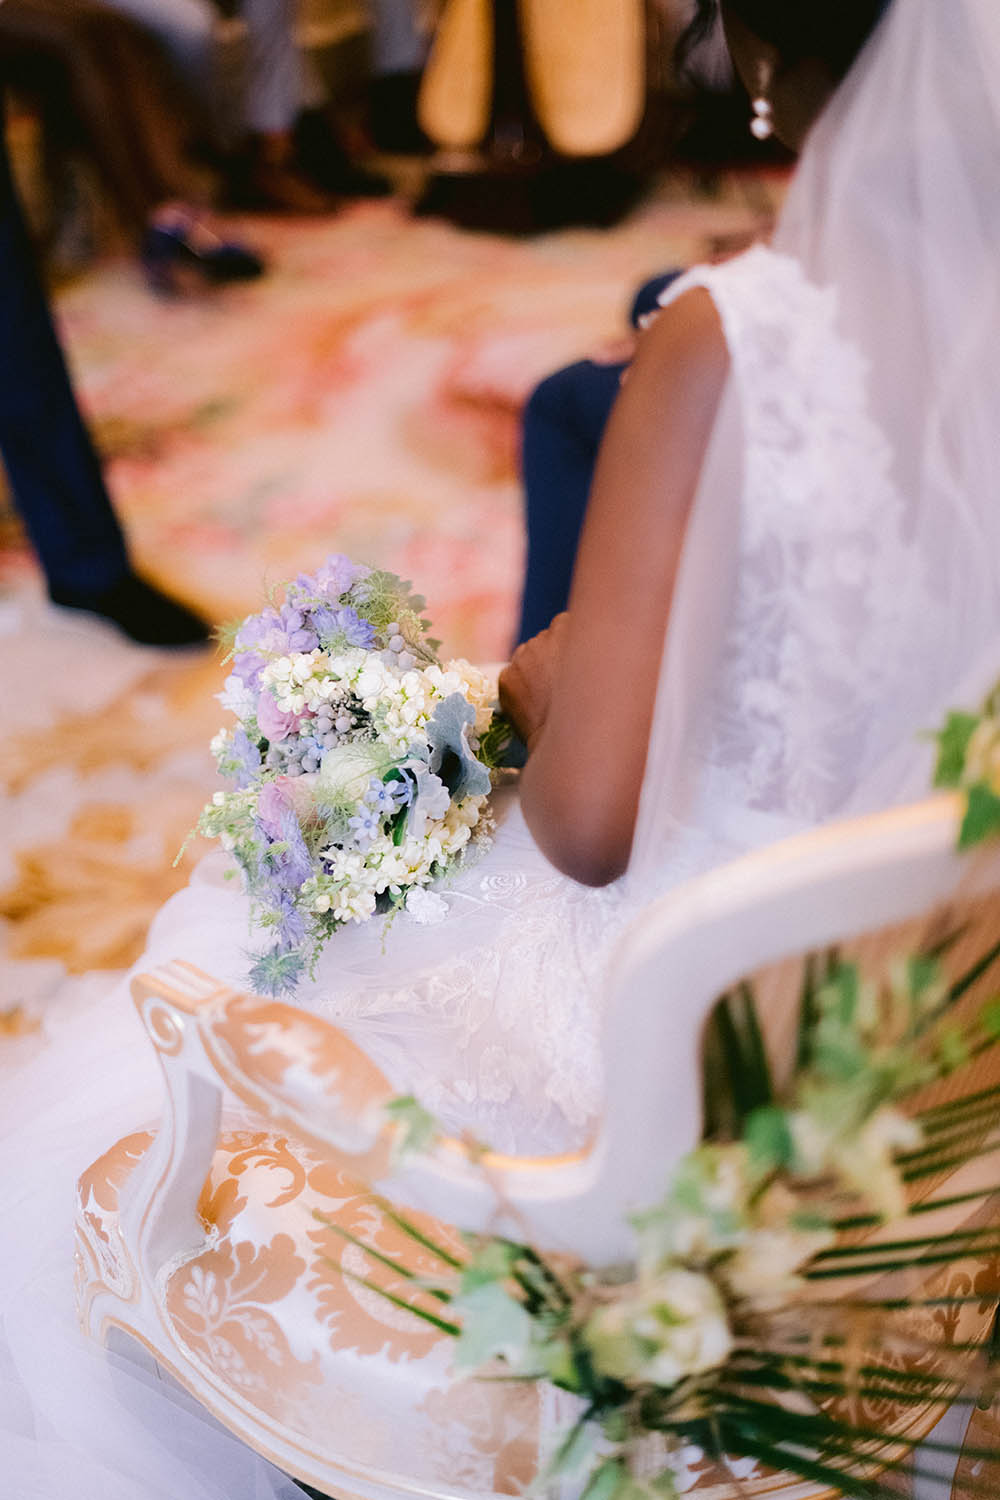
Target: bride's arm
point(583, 694)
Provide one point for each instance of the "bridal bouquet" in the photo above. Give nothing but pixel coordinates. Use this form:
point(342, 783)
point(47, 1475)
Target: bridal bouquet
point(359, 762)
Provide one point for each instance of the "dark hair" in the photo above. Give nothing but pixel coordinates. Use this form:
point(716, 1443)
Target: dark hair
point(834, 30)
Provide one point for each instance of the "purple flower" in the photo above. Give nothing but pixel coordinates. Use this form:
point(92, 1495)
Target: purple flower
point(272, 805)
point(337, 575)
point(246, 757)
point(291, 927)
point(257, 639)
point(269, 634)
point(273, 722)
point(331, 623)
point(287, 867)
point(299, 636)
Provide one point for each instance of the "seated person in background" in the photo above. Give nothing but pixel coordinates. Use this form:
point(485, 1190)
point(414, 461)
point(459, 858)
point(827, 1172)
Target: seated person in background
point(561, 430)
point(100, 78)
point(293, 160)
point(54, 472)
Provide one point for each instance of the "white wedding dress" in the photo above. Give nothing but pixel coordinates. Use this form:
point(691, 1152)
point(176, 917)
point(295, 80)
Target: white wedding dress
point(840, 588)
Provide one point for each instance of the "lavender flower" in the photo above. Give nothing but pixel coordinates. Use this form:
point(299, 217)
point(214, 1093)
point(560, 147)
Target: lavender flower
point(271, 633)
point(245, 758)
point(290, 928)
point(286, 863)
point(337, 575)
point(331, 624)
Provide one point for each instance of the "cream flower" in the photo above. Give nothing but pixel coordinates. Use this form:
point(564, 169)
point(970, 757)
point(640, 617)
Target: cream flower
point(674, 1327)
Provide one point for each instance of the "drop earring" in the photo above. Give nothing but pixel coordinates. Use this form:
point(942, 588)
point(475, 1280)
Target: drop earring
point(762, 124)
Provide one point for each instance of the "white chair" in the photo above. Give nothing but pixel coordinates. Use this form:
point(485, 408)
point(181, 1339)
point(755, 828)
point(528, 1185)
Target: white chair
point(203, 1243)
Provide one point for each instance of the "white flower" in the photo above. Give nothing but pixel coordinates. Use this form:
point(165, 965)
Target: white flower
point(673, 1327)
point(864, 1159)
point(346, 770)
point(236, 698)
point(426, 907)
point(763, 1269)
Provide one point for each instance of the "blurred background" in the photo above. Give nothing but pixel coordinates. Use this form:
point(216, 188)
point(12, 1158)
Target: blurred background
point(307, 262)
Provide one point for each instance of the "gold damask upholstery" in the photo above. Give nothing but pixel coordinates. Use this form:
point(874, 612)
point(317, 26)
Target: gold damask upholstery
point(237, 1247)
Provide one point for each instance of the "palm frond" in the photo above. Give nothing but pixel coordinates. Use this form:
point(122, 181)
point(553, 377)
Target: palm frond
point(385, 1260)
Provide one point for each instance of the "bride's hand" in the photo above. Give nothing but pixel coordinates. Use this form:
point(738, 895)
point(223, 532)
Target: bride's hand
point(526, 681)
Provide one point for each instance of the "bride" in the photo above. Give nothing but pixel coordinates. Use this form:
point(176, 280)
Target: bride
point(794, 475)
point(790, 567)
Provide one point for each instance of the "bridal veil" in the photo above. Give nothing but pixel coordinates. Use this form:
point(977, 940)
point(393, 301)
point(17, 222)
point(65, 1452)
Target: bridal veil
point(876, 455)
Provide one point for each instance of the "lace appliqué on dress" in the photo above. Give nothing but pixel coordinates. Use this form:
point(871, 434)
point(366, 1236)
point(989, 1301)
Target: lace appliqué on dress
point(821, 626)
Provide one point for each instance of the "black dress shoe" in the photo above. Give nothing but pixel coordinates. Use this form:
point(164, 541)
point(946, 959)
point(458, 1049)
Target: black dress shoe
point(139, 611)
point(170, 250)
point(322, 158)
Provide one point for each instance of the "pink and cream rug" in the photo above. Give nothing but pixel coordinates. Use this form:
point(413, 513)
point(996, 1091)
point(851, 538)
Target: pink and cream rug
point(362, 398)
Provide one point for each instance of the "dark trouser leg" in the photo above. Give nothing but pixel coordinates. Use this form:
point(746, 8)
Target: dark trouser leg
point(563, 424)
point(54, 472)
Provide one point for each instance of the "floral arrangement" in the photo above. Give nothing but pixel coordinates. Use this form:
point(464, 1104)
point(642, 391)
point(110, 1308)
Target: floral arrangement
point(792, 1280)
point(728, 1332)
point(359, 763)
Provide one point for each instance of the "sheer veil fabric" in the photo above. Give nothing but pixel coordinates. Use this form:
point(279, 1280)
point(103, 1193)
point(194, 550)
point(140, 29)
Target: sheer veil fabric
point(840, 588)
point(867, 545)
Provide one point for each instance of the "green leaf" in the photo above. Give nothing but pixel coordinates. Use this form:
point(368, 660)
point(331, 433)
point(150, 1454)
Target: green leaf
point(982, 816)
point(953, 743)
point(952, 1049)
point(417, 1126)
point(493, 1261)
point(605, 1481)
point(576, 1448)
point(493, 1324)
point(736, 1073)
point(769, 1139)
point(385, 1260)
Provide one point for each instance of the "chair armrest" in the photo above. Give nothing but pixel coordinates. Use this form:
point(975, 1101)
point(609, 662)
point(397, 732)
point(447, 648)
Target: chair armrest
point(301, 1072)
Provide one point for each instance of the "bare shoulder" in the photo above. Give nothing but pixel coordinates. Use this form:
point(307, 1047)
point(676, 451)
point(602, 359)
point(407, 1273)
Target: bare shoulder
point(596, 732)
point(685, 335)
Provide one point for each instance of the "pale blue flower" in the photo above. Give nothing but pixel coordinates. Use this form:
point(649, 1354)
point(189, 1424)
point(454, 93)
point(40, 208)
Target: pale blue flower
point(345, 624)
point(366, 825)
point(387, 797)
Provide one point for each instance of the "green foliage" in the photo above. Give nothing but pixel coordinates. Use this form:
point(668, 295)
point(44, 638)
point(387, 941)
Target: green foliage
point(417, 1126)
point(953, 744)
point(708, 1338)
point(982, 816)
point(499, 747)
point(969, 759)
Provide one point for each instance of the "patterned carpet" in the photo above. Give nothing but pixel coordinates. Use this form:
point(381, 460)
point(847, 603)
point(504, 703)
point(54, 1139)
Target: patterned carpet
point(364, 398)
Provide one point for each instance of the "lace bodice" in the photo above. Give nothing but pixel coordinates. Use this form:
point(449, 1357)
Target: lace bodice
point(820, 633)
